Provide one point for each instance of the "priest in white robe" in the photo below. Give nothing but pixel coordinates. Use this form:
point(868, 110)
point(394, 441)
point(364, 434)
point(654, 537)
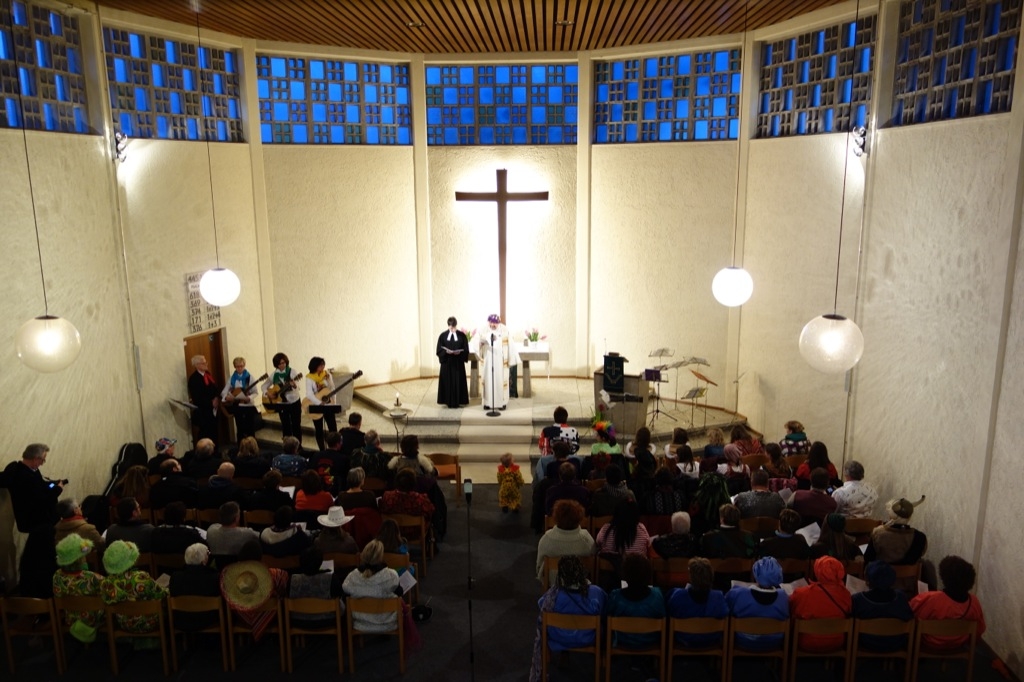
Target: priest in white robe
point(498, 353)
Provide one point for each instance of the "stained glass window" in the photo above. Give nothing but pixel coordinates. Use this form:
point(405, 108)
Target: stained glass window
point(955, 58)
point(691, 96)
point(170, 89)
point(330, 101)
point(502, 104)
point(817, 82)
point(41, 58)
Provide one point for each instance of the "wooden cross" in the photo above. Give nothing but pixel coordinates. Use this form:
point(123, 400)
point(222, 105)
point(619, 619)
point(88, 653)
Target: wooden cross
point(502, 197)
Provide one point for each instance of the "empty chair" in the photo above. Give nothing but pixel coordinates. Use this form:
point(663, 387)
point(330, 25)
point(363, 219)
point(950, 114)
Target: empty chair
point(67, 609)
point(449, 469)
point(27, 617)
point(296, 627)
point(197, 605)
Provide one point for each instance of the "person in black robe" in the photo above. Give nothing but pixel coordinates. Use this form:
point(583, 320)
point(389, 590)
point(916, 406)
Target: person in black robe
point(453, 352)
point(204, 391)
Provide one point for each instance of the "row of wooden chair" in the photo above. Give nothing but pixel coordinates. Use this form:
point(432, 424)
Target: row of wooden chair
point(676, 572)
point(788, 654)
point(21, 617)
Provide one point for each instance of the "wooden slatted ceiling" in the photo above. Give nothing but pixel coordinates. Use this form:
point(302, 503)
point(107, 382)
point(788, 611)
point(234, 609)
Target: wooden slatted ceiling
point(468, 26)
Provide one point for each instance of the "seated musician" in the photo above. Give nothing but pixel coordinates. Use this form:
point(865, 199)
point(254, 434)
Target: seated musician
point(319, 383)
point(280, 392)
point(237, 398)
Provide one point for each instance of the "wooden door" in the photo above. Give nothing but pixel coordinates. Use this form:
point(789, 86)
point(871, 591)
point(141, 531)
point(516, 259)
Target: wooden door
point(213, 346)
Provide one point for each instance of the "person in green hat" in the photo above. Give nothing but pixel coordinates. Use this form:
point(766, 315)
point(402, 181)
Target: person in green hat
point(124, 583)
point(74, 579)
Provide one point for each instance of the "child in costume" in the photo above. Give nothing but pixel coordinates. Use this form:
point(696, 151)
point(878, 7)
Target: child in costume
point(510, 481)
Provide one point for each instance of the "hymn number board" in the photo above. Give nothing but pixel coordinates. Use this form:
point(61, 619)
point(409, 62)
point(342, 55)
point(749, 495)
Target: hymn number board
point(201, 315)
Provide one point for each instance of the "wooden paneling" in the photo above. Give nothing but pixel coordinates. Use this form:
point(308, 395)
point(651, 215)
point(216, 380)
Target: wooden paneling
point(466, 26)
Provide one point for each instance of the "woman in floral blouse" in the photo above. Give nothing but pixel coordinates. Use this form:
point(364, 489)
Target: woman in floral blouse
point(125, 584)
point(73, 579)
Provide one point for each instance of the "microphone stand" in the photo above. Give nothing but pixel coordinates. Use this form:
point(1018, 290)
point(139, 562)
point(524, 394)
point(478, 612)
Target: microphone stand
point(494, 407)
point(468, 494)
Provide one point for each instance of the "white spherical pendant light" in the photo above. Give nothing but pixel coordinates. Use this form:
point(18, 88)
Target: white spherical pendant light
point(48, 343)
point(219, 287)
point(732, 286)
point(831, 344)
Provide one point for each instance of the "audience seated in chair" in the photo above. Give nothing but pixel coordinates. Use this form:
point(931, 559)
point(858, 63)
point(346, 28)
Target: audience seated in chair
point(795, 441)
point(312, 581)
point(895, 542)
point(74, 579)
point(786, 544)
point(665, 497)
point(72, 521)
point(284, 538)
point(698, 600)
point(404, 499)
point(817, 458)
point(637, 599)
point(678, 543)
point(334, 539)
point(571, 594)
point(954, 601)
point(249, 461)
point(759, 500)
point(815, 504)
point(371, 458)
point(221, 488)
point(247, 585)
point(270, 497)
point(776, 466)
point(203, 462)
point(173, 536)
point(604, 500)
point(765, 599)
point(880, 600)
point(834, 542)
point(624, 534)
point(737, 474)
point(410, 458)
point(390, 535)
point(133, 483)
point(373, 578)
point(855, 498)
point(174, 486)
point(567, 538)
point(126, 583)
point(196, 579)
point(130, 526)
point(311, 496)
point(227, 537)
point(727, 540)
point(568, 487)
point(825, 597)
point(354, 497)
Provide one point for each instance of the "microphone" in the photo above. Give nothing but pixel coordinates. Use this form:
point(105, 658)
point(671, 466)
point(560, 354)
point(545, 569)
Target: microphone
point(492, 338)
point(467, 490)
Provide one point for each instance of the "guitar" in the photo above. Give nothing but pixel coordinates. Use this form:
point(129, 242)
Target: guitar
point(275, 394)
point(325, 394)
point(229, 400)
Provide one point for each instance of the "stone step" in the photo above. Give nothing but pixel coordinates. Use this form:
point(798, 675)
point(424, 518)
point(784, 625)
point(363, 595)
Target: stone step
point(472, 434)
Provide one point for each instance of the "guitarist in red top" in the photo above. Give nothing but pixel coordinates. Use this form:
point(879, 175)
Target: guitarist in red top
point(204, 391)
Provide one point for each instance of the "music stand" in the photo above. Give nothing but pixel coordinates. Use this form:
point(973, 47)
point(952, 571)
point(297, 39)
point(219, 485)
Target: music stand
point(708, 382)
point(397, 413)
point(654, 375)
point(661, 353)
point(692, 395)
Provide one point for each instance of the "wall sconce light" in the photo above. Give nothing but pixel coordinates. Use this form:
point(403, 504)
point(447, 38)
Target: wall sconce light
point(120, 147)
point(858, 140)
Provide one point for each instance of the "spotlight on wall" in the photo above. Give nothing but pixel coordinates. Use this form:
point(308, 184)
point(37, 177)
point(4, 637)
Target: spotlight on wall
point(858, 140)
point(733, 285)
point(120, 147)
point(46, 343)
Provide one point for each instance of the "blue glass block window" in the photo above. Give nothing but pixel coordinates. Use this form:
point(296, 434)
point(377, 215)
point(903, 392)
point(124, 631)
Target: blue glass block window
point(325, 101)
point(817, 82)
point(955, 58)
point(170, 89)
point(502, 104)
point(691, 96)
point(41, 58)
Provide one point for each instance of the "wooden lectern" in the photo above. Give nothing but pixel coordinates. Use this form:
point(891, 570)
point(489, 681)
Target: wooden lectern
point(630, 411)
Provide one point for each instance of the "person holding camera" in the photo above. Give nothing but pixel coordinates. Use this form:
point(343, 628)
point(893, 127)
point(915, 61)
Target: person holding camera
point(33, 497)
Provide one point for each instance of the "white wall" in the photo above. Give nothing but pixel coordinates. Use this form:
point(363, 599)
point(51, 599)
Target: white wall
point(85, 412)
point(343, 247)
point(794, 197)
point(661, 227)
point(935, 268)
point(540, 286)
point(169, 232)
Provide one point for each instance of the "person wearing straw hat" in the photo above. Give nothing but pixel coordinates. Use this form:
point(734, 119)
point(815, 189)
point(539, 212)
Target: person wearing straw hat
point(124, 583)
point(74, 579)
point(333, 538)
point(247, 585)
